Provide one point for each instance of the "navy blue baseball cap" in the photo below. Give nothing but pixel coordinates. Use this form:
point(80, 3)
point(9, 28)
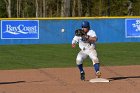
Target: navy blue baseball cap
point(85, 24)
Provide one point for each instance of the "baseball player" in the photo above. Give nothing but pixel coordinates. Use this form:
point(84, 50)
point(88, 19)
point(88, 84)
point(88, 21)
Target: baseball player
point(86, 38)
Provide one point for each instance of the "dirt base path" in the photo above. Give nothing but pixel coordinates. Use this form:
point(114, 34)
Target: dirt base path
point(123, 79)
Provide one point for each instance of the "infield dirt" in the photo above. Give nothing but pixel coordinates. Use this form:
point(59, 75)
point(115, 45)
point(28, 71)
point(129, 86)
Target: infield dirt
point(123, 79)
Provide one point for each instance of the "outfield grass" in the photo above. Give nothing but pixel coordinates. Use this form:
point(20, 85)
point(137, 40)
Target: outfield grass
point(42, 56)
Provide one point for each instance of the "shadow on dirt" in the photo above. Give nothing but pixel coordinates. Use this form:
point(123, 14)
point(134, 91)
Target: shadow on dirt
point(121, 78)
point(4, 83)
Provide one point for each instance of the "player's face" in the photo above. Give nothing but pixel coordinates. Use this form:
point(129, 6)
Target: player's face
point(85, 29)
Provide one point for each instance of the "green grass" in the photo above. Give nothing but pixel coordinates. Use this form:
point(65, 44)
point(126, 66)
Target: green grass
point(119, 54)
point(44, 56)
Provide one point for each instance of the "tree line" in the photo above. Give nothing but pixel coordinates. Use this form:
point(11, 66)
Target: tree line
point(68, 8)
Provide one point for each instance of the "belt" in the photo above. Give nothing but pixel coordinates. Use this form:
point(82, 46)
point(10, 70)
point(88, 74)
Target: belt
point(84, 48)
point(87, 48)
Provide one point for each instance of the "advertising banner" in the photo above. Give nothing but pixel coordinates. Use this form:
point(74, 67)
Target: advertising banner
point(19, 29)
point(132, 28)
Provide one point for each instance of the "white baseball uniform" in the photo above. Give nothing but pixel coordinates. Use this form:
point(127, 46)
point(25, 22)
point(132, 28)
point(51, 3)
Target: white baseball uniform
point(87, 49)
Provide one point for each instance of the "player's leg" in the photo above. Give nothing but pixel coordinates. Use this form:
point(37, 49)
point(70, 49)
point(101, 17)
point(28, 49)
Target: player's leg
point(96, 64)
point(79, 61)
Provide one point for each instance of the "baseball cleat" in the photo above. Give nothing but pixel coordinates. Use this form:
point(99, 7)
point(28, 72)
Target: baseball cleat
point(82, 76)
point(98, 74)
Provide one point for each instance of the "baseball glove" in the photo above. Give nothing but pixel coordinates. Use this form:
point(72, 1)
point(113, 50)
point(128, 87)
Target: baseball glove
point(79, 32)
point(85, 38)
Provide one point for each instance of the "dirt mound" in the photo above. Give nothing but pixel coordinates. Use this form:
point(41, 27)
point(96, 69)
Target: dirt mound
point(123, 79)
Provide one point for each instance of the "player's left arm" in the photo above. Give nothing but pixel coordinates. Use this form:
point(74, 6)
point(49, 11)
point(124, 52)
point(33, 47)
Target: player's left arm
point(92, 39)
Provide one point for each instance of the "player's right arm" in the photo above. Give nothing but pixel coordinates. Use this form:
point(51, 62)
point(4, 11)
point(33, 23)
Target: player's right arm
point(75, 40)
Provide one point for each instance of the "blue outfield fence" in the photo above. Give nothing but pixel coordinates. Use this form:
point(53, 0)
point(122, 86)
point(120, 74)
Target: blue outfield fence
point(61, 31)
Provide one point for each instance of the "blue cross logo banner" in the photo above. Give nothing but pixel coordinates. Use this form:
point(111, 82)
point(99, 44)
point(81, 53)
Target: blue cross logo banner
point(132, 28)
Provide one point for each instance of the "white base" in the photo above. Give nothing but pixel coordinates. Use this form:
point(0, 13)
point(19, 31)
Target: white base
point(98, 80)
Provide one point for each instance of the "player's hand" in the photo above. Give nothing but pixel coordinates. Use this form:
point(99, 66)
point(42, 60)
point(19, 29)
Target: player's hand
point(73, 45)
